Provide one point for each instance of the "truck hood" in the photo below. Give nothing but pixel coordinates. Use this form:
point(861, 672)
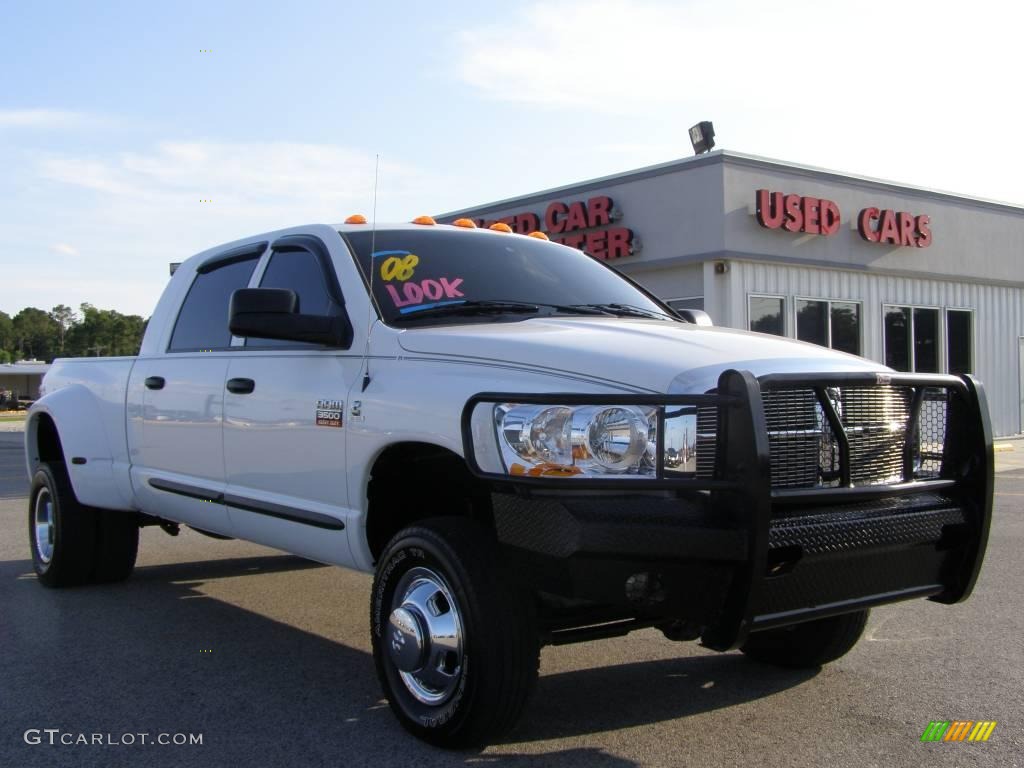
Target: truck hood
point(646, 355)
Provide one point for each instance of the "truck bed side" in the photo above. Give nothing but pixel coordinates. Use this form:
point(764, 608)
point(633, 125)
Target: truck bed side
point(83, 404)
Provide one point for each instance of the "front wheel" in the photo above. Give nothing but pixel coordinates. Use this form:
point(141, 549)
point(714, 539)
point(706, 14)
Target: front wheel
point(809, 644)
point(455, 642)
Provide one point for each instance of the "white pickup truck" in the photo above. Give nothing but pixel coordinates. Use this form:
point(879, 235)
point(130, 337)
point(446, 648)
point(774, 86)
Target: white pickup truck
point(523, 445)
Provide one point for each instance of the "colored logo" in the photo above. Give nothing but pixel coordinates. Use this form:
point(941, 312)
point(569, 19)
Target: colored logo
point(958, 730)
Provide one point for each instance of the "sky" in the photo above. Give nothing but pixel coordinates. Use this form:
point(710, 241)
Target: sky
point(133, 135)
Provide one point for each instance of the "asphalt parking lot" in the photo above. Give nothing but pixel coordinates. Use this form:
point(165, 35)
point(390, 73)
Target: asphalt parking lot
point(267, 656)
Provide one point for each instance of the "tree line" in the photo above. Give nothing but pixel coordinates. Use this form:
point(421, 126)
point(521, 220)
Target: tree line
point(62, 332)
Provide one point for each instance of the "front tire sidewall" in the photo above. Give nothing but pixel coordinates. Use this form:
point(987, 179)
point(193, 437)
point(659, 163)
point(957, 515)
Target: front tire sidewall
point(425, 720)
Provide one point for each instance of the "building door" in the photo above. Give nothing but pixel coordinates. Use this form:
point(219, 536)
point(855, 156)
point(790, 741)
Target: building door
point(1020, 380)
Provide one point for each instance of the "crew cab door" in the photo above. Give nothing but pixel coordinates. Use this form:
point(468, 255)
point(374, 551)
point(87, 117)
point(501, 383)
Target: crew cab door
point(176, 401)
point(285, 417)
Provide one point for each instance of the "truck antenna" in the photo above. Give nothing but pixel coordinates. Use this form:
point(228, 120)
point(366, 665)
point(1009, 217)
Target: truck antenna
point(373, 250)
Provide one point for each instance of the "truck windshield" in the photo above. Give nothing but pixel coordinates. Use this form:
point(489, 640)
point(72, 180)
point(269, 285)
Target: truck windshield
point(445, 276)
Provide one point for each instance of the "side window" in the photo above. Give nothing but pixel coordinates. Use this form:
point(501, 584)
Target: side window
point(203, 320)
point(299, 271)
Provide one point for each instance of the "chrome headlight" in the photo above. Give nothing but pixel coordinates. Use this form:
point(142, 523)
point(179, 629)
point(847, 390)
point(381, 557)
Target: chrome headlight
point(562, 439)
point(540, 440)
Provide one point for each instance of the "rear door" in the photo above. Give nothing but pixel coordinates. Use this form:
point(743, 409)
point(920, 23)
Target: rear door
point(176, 401)
point(284, 408)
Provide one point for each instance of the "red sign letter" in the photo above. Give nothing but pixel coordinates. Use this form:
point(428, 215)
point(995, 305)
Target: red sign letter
point(552, 217)
point(924, 234)
point(769, 209)
point(829, 217)
point(811, 210)
point(794, 218)
point(599, 210)
point(864, 220)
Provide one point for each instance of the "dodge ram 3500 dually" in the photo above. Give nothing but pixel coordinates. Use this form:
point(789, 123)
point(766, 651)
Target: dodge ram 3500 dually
point(525, 448)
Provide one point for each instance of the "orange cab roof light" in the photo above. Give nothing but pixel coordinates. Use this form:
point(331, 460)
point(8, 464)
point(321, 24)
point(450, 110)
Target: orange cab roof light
point(539, 235)
point(467, 223)
point(500, 226)
point(424, 220)
point(356, 218)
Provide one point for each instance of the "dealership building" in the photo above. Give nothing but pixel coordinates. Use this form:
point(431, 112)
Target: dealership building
point(917, 279)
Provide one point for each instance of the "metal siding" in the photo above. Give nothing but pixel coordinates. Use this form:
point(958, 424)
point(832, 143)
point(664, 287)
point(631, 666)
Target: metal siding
point(998, 316)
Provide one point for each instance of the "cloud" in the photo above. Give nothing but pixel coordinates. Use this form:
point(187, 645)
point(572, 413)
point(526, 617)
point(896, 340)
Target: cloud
point(42, 118)
point(269, 181)
point(64, 249)
point(133, 212)
point(637, 56)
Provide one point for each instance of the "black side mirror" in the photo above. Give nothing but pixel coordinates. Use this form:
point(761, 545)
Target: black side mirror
point(273, 313)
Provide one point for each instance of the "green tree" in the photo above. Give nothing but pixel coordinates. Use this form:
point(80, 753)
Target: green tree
point(105, 332)
point(6, 334)
point(64, 318)
point(35, 334)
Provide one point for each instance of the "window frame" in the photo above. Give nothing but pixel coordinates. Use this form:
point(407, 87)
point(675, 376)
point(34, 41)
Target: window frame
point(785, 311)
point(289, 244)
point(830, 302)
point(940, 341)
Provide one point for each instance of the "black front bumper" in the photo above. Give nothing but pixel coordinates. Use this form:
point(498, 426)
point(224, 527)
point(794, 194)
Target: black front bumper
point(734, 555)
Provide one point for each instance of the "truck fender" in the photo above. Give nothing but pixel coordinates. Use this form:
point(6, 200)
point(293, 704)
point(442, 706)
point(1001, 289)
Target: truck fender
point(98, 471)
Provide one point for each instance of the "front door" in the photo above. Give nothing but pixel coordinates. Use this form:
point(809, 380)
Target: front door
point(284, 428)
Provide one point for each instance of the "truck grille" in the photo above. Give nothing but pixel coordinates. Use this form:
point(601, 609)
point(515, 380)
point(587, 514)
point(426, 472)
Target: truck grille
point(877, 421)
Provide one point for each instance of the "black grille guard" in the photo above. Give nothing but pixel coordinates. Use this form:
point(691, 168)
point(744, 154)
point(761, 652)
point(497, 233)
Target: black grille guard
point(741, 486)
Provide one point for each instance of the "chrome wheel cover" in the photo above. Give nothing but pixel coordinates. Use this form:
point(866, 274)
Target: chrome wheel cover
point(424, 636)
point(43, 525)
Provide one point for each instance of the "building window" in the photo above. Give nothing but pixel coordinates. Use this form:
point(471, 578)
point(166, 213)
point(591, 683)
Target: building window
point(834, 324)
point(845, 326)
point(690, 302)
point(812, 321)
point(926, 340)
point(898, 354)
point(767, 315)
point(959, 340)
point(912, 339)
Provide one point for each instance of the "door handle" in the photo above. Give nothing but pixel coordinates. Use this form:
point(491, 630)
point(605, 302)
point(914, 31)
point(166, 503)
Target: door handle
point(155, 382)
point(241, 386)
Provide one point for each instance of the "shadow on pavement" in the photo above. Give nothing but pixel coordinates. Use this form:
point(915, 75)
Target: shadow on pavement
point(130, 658)
point(601, 699)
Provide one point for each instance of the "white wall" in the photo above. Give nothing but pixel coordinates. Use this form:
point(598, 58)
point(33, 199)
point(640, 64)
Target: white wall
point(998, 315)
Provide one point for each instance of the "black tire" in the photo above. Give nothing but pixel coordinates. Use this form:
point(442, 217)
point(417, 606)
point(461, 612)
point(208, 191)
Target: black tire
point(810, 644)
point(500, 648)
point(117, 546)
point(64, 556)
